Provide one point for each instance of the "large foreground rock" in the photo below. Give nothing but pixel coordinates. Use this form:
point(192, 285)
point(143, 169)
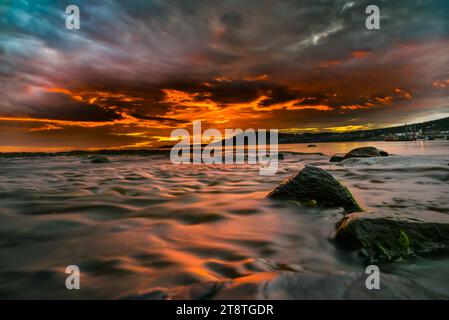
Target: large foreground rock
point(363, 152)
point(315, 185)
point(382, 236)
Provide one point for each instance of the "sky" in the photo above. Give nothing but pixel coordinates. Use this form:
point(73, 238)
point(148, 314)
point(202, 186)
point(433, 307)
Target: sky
point(136, 70)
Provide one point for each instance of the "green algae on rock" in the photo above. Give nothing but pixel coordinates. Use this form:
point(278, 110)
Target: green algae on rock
point(389, 236)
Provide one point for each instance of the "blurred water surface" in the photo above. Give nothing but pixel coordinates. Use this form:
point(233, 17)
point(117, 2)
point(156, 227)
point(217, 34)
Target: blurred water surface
point(142, 227)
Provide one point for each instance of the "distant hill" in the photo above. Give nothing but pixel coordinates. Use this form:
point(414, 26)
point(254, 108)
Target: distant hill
point(363, 135)
point(359, 135)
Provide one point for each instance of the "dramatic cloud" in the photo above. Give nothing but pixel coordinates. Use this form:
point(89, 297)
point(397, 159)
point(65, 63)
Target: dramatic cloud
point(137, 69)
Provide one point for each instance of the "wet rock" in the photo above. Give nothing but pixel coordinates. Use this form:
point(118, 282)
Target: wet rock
point(317, 186)
point(389, 236)
point(98, 159)
point(254, 157)
point(365, 152)
point(155, 294)
point(270, 265)
point(305, 153)
point(311, 203)
point(199, 291)
point(304, 285)
point(342, 286)
point(337, 158)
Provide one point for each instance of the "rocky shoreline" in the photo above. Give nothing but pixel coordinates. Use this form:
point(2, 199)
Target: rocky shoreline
point(384, 236)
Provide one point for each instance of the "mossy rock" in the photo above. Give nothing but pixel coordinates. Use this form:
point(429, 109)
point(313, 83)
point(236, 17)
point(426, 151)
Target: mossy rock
point(390, 236)
point(316, 186)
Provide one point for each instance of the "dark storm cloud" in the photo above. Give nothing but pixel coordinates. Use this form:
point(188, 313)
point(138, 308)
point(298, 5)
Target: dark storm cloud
point(159, 119)
point(60, 106)
point(244, 91)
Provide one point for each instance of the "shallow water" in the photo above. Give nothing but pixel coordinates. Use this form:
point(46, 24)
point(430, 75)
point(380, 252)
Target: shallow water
point(142, 227)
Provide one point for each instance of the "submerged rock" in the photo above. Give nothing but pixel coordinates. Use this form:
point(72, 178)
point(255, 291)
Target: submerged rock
point(98, 159)
point(362, 152)
point(389, 236)
point(342, 286)
point(302, 285)
point(316, 186)
point(337, 158)
point(365, 152)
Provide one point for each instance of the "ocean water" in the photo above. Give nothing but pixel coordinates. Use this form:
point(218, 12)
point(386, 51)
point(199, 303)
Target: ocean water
point(142, 227)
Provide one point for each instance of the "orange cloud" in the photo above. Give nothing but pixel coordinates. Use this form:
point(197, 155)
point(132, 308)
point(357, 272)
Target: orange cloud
point(360, 54)
point(354, 54)
point(387, 100)
point(403, 94)
point(46, 127)
point(299, 130)
point(440, 83)
point(317, 107)
point(86, 124)
point(354, 107)
point(349, 128)
point(98, 97)
point(327, 64)
point(257, 78)
point(364, 106)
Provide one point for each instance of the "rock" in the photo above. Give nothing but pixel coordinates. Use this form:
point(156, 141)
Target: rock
point(315, 186)
point(365, 152)
point(389, 236)
point(343, 285)
point(98, 159)
point(337, 158)
point(306, 285)
point(312, 146)
point(310, 203)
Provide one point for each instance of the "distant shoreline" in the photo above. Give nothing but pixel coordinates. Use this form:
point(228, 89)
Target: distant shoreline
point(374, 135)
point(162, 151)
point(81, 153)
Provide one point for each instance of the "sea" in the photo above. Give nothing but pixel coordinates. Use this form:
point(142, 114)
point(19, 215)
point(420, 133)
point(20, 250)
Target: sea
point(141, 227)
